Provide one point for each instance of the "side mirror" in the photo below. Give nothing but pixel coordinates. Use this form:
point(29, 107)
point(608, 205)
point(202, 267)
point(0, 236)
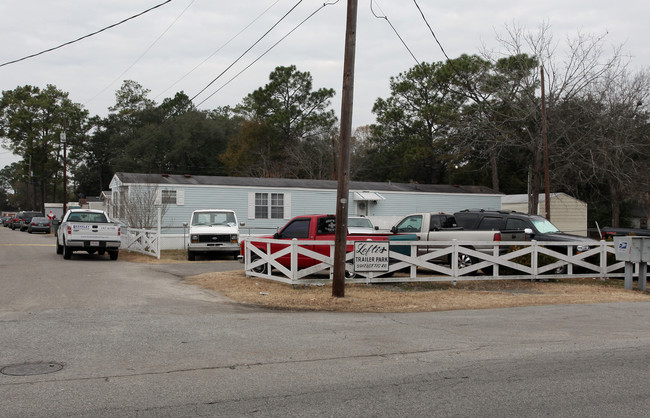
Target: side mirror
point(242, 224)
point(376, 228)
point(394, 230)
point(277, 235)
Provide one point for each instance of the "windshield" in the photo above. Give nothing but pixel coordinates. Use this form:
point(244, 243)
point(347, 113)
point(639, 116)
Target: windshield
point(360, 222)
point(214, 218)
point(544, 226)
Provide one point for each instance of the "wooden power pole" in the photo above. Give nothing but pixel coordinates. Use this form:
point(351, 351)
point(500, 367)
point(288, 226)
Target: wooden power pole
point(547, 193)
point(343, 188)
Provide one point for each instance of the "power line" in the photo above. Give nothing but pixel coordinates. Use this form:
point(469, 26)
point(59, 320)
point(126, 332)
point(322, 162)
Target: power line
point(143, 53)
point(431, 30)
point(85, 36)
point(266, 52)
point(218, 49)
point(393, 27)
point(247, 50)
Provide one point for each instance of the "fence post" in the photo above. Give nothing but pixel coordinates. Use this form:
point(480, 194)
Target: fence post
point(294, 261)
point(158, 234)
point(454, 259)
point(533, 259)
point(603, 260)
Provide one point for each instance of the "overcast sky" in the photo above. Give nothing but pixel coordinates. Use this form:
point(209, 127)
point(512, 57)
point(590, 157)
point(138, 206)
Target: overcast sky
point(185, 44)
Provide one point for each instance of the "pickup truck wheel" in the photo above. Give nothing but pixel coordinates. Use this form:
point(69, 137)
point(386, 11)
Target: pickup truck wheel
point(67, 252)
point(190, 256)
point(113, 254)
point(465, 260)
point(262, 269)
point(59, 247)
point(349, 272)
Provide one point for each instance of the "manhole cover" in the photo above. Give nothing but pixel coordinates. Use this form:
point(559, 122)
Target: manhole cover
point(31, 369)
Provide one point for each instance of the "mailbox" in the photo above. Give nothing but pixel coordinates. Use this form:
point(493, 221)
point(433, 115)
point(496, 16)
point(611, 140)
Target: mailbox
point(632, 249)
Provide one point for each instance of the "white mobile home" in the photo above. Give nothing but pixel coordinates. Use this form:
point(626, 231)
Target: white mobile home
point(265, 204)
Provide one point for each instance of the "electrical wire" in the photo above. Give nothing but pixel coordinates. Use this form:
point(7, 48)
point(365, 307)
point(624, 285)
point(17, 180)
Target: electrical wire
point(393, 27)
point(85, 36)
point(144, 53)
point(218, 49)
point(247, 50)
point(267, 51)
point(431, 30)
point(473, 93)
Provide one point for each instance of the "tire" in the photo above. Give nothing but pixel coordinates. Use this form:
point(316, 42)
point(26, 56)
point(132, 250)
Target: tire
point(29, 230)
point(560, 270)
point(190, 256)
point(263, 269)
point(67, 252)
point(465, 260)
point(349, 272)
point(113, 254)
point(59, 248)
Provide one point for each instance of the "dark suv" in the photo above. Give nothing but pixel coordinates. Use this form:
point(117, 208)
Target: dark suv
point(518, 226)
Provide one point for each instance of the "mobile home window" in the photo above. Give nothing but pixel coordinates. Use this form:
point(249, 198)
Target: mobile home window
point(169, 197)
point(269, 205)
point(277, 205)
point(261, 206)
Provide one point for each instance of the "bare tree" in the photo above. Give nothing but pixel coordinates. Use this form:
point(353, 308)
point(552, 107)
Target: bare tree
point(140, 206)
point(578, 73)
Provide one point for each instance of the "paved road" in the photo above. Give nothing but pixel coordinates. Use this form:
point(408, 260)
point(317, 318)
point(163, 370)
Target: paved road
point(133, 340)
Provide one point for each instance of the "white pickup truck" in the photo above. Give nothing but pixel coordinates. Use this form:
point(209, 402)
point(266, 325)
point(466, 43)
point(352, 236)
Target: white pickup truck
point(213, 231)
point(88, 230)
point(442, 227)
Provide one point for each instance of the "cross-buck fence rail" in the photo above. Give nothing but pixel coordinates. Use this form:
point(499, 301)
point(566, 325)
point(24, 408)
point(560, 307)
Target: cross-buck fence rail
point(145, 241)
point(522, 260)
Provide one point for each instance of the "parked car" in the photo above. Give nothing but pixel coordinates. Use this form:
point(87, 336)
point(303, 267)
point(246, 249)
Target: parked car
point(608, 233)
point(15, 221)
point(360, 225)
point(5, 219)
point(26, 218)
point(39, 224)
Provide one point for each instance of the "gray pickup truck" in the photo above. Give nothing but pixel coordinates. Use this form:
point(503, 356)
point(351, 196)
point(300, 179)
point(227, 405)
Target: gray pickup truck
point(438, 226)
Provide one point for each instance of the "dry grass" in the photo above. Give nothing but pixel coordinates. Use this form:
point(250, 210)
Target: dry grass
point(421, 297)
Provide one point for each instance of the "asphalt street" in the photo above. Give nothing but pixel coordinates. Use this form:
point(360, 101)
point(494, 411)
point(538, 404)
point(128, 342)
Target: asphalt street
point(94, 337)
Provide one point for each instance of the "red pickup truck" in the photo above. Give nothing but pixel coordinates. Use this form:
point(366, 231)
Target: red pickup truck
point(311, 228)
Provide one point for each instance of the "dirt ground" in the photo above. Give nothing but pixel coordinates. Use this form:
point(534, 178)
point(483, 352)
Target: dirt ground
point(421, 297)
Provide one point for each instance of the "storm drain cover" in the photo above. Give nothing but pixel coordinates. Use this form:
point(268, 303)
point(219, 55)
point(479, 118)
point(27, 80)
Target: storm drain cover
point(31, 369)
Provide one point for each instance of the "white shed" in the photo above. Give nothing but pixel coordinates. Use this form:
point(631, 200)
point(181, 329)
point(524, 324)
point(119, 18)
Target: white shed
point(567, 213)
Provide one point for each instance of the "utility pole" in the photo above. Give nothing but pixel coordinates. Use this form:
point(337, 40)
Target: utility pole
point(65, 168)
point(343, 188)
point(547, 194)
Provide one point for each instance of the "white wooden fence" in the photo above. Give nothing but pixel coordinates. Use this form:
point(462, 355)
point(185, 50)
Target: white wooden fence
point(524, 260)
point(145, 241)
